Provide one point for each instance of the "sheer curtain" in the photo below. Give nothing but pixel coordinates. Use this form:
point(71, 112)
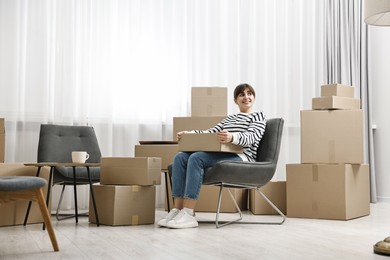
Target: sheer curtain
point(126, 66)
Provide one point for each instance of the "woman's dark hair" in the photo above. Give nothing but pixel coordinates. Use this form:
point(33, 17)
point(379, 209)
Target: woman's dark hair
point(240, 88)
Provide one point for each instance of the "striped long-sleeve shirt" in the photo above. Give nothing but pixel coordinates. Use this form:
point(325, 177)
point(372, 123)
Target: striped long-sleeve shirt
point(247, 130)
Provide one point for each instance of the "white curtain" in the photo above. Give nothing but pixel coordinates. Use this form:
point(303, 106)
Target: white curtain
point(126, 66)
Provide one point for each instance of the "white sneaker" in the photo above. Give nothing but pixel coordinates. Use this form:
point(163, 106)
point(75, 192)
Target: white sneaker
point(163, 222)
point(183, 220)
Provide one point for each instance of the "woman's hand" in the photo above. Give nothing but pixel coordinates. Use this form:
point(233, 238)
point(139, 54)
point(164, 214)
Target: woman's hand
point(179, 134)
point(225, 137)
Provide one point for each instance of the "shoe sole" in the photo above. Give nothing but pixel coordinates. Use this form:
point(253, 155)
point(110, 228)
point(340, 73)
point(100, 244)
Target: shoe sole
point(192, 225)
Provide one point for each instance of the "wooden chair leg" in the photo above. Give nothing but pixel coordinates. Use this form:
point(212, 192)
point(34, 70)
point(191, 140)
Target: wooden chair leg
point(46, 218)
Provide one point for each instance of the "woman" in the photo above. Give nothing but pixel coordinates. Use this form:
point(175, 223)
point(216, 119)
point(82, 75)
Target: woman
point(245, 128)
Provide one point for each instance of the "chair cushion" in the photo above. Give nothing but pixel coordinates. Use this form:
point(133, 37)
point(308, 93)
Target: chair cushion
point(16, 183)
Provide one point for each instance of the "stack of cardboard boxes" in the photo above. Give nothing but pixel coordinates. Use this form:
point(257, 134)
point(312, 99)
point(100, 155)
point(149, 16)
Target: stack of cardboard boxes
point(332, 181)
point(126, 193)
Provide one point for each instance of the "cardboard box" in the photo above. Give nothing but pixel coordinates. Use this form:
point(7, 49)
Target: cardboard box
point(123, 205)
point(207, 142)
point(328, 191)
point(209, 101)
point(334, 102)
point(194, 123)
point(275, 192)
point(130, 170)
point(332, 136)
point(165, 152)
point(208, 199)
point(337, 90)
point(2, 148)
point(2, 140)
point(13, 213)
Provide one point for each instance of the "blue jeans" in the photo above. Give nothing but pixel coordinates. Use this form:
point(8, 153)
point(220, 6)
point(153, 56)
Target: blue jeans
point(188, 169)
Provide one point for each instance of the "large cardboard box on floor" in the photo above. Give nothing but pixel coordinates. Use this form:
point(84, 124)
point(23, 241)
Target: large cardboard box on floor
point(275, 192)
point(130, 170)
point(332, 136)
point(165, 152)
point(209, 101)
point(123, 205)
point(334, 102)
point(338, 90)
point(13, 213)
point(2, 140)
point(206, 142)
point(208, 199)
point(328, 191)
point(194, 123)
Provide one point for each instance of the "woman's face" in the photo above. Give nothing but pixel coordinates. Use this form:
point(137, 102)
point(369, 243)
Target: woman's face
point(245, 101)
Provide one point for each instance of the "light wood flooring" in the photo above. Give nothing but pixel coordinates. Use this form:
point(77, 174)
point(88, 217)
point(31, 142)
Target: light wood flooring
point(295, 239)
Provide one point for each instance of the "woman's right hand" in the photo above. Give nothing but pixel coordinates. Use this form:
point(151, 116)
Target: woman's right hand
point(179, 134)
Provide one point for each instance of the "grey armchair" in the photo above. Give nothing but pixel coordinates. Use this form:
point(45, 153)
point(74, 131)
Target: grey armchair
point(56, 143)
point(249, 175)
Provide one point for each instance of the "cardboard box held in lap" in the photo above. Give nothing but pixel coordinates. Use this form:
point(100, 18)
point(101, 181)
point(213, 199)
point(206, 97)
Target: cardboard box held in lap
point(206, 142)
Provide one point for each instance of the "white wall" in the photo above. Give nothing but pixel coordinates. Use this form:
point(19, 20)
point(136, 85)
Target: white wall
point(379, 80)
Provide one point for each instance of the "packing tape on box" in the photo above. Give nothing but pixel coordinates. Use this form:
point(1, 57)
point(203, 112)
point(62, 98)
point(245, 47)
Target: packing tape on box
point(134, 220)
point(315, 173)
point(135, 188)
point(332, 150)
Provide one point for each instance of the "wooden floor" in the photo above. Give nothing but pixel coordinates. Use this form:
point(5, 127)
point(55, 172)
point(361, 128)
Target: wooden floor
point(295, 239)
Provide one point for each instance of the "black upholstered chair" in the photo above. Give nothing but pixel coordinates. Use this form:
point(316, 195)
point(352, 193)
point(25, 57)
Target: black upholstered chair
point(249, 175)
point(14, 188)
point(56, 143)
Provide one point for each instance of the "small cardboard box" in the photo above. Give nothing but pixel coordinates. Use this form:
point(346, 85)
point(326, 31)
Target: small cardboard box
point(123, 205)
point(165, 152)
point(275, 192)
point(206, 142)
point(2, 140)
point(194, 123)
point(334, 102)
point(13, 213)
point(328, 191)
point(337, 90)
point(209, 101)
point(208, 199)
point(130, 170)
point(332, 136)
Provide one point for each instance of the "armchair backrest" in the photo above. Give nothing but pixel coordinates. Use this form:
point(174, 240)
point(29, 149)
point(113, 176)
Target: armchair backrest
point(268, 150)
point(56, 143)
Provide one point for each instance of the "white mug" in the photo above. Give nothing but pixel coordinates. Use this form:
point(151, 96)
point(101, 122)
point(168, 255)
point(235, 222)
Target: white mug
point(79, 157)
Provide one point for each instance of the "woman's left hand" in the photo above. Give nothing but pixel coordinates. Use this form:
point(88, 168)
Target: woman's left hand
point(224, 137)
